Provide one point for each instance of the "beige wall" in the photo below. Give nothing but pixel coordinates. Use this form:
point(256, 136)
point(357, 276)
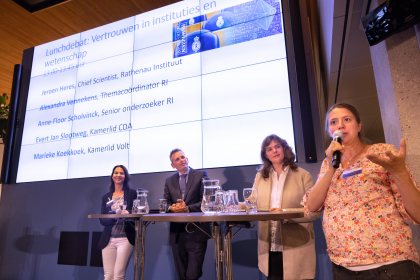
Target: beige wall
point(396, 63)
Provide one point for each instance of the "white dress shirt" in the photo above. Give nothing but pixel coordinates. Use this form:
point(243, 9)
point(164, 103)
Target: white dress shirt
point(276, 197)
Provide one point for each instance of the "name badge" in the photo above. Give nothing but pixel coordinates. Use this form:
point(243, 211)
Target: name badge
point(351, 172)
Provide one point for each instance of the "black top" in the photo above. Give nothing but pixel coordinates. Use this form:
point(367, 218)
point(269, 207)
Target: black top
point(129, 228)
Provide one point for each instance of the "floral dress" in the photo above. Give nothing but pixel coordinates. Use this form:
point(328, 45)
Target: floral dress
point(364, 219)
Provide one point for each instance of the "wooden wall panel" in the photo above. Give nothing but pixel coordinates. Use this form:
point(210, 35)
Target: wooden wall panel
point(20, 29)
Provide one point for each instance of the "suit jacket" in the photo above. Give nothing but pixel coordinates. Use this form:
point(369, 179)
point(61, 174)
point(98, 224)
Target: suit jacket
point(109, 223)
point(193, 196)
point(297, 235)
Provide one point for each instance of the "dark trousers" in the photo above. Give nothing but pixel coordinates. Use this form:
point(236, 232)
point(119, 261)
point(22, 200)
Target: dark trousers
point(189, 257)
point(275, 266)
point(407, 270)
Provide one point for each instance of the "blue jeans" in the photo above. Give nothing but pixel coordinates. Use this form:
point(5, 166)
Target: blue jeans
point(407, 270)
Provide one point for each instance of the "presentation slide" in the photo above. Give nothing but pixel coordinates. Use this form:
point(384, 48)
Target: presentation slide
point(209, 77)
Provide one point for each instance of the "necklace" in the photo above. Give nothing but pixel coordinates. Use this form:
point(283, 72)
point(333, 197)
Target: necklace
point(353, 159)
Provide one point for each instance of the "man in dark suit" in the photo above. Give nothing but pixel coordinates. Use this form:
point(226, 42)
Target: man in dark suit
point(184, 191)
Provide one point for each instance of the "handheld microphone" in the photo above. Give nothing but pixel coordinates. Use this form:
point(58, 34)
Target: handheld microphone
point(336, 157)
point(110, 202)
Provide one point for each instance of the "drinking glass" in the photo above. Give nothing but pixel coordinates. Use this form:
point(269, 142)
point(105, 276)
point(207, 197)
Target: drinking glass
point(250, 198)
point(163, 204)
point(123, 205)
point(246, 192)
point(220, 201)
point(232, 202)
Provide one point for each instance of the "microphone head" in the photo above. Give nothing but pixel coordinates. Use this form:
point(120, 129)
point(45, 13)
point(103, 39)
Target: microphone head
point(110, 203)
point(337, 134)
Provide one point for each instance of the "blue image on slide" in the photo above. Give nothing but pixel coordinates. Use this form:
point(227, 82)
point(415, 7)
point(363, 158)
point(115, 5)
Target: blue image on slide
point(179, 27)
point(197, 41)
point(245, 22)
point(220, 21)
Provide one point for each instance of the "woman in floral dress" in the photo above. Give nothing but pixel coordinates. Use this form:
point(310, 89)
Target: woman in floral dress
point(368, 203)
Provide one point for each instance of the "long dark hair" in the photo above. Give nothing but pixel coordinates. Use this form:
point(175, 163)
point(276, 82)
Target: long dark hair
point(288, 160)
point(126, 179)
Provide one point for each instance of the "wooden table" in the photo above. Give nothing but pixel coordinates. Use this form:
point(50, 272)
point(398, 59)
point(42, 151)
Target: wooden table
point(223, 247)
point(223, 252)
